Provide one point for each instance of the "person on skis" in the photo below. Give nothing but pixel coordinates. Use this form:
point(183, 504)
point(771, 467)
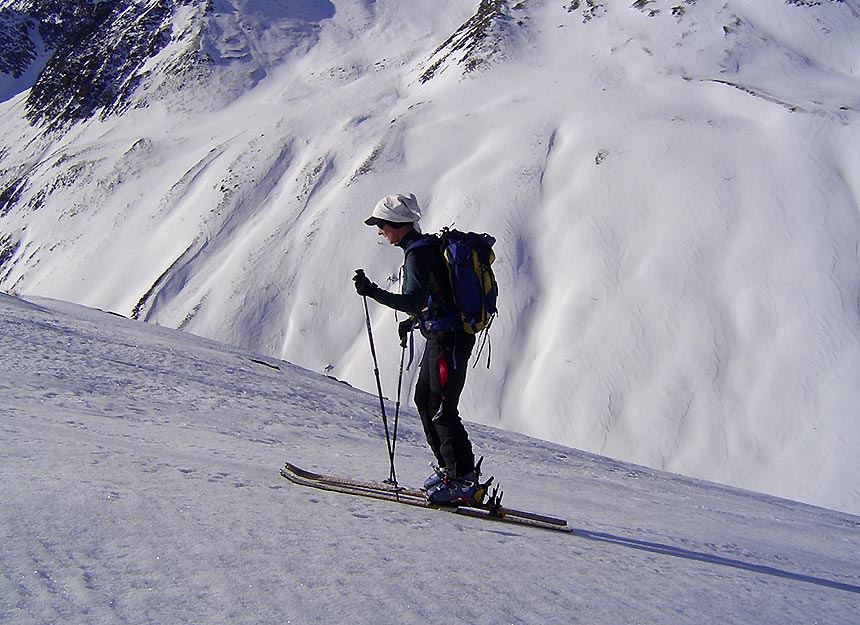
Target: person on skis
point(427, 298)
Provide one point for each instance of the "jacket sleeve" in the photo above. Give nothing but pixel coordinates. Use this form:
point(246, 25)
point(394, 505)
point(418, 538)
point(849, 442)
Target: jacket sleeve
point(416, 285)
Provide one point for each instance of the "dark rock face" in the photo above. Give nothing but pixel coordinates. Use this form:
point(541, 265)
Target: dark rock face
point(97, 64)
point(97, 54)
point(17, 48)
point(479, 38)
point(99, 49)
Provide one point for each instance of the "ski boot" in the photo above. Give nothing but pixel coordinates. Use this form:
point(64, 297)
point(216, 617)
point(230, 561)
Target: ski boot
point(455, 490)
point(463, 490)
point(435, 479)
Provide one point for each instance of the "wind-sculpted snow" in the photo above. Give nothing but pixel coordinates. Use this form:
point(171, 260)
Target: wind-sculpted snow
point(673, 187)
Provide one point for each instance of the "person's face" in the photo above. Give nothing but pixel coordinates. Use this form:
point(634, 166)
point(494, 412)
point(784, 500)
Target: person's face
point(392, 235)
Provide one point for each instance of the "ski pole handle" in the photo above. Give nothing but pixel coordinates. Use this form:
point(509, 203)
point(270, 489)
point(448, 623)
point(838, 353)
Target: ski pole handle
point(363, 285)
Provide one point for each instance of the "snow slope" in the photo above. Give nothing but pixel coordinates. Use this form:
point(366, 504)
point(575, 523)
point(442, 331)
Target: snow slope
point(139, 485)
point(674, 188)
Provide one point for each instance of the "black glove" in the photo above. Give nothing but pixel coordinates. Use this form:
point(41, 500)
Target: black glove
point(363, 285)
point(403, 330)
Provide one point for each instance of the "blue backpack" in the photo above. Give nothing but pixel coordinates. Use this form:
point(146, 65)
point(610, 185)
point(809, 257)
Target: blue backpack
point(469, 257)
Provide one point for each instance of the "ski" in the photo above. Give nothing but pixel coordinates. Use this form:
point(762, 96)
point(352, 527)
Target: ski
point(411, 492)
point(403, 491)
point(414, 497)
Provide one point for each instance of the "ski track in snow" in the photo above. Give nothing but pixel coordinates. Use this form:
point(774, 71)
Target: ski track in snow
point(139, 470)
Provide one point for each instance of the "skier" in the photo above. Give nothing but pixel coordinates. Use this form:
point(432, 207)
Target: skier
point(426, 296)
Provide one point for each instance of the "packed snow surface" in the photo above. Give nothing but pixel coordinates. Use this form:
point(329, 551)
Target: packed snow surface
point(675, 190)
point(139, 472)
point(140, 485)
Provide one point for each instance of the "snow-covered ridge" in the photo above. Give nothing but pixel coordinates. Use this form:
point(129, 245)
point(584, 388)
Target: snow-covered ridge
point(673, 185)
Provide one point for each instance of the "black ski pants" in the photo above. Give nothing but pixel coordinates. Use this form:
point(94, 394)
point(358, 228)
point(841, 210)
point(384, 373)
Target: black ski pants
point(441, 378)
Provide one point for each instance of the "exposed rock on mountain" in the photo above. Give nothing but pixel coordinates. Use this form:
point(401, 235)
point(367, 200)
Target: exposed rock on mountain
point(480, 39)
point(100, 61)
point(104, 56)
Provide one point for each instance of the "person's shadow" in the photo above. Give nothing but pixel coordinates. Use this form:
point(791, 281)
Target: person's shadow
point(710, 558)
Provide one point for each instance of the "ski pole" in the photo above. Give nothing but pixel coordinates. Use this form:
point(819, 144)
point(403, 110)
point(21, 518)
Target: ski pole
point(397, 403)
point(392, 476)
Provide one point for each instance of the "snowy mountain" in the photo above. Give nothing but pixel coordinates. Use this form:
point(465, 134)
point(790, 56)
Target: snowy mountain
point(140, 485)
point(673, 185)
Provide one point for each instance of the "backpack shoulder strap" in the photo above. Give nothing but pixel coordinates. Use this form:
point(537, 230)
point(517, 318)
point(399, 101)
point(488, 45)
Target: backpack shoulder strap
point(426, 240)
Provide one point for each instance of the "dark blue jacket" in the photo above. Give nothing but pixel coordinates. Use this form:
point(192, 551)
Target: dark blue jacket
point(426, 287)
